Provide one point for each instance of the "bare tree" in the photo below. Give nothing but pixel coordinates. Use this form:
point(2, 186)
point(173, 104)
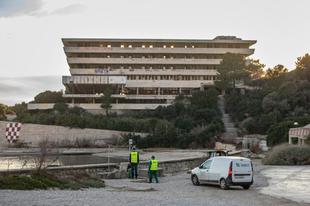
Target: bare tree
point(44, 153)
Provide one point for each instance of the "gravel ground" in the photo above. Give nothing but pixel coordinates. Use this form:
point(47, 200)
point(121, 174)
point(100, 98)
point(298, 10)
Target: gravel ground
point(172, 190)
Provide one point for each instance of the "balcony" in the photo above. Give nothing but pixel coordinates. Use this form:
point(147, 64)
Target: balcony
point(98, 71)
point(94, 80)
point(97, 107)
point(139, 50)
point(168, 83)
point(144, 61)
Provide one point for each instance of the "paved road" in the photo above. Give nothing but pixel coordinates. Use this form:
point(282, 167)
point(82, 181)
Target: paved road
point(288, 182)
point(172, 190)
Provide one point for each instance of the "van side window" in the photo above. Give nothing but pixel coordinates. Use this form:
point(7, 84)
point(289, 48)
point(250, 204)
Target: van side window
point(207, 164)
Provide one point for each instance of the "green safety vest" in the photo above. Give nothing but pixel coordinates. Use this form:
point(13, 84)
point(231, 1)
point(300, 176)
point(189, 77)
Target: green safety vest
point(154, 165)
point(133, 157)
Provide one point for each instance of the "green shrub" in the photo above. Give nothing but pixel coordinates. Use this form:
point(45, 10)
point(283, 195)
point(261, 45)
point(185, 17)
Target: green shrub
point(46, 181)
point(278, 133)
point(288, 155)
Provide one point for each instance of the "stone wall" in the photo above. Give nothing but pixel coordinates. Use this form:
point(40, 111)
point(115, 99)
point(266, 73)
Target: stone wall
point(92, 169)
point(32, 134)
point(116, 171)
point(173, 166)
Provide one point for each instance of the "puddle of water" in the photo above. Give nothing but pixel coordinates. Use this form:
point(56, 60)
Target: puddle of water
point(19, 162)
point(290, 182)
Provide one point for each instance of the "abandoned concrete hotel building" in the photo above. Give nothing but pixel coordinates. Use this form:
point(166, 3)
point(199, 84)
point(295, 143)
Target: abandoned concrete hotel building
point(143, 73)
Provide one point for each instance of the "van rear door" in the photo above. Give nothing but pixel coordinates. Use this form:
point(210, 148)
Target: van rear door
point(242, 170)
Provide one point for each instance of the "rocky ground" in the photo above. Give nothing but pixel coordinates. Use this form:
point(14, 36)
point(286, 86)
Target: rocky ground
point(172, 190)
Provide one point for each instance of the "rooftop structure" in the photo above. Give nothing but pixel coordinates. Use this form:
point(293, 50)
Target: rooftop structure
point(142, 73)
point(300, 134)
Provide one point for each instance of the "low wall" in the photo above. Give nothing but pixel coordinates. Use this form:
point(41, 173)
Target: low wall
point(115, 171)
point(167, 167)
point(173, 166)
point(91, 169)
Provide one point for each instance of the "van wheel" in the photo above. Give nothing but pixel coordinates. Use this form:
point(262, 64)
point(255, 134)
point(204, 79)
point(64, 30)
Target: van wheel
point(246, 187)
point(223, 184)
point(195, 180)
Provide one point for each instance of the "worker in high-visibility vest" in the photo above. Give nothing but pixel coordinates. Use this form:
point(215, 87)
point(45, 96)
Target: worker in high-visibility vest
point(153, 168)
point(134, 161)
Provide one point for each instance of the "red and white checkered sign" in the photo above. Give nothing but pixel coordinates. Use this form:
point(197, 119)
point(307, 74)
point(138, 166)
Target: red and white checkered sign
point(12, 131)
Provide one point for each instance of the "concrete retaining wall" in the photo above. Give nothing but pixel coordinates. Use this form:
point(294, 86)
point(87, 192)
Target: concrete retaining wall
point(32, 134)
point(91, 169)
point(115, 171)
point(173, 166)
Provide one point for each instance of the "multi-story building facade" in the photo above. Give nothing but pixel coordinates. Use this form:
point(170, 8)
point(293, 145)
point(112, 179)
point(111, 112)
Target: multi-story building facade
point(142, 73)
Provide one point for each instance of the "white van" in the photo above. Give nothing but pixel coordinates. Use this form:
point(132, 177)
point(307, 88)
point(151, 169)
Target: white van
point(224, 171)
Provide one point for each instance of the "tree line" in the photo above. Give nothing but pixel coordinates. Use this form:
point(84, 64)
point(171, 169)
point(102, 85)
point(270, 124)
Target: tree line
point(189, 122)
point(279, 100)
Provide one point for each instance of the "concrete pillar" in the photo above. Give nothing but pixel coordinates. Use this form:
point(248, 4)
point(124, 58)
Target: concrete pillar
point(158, 91)
point(72, 100)
point(94, 101)
point(299, 141)
point(137, 92)
point(116, 101)
point(122, 89)
point(290, 140)
point(180, 91)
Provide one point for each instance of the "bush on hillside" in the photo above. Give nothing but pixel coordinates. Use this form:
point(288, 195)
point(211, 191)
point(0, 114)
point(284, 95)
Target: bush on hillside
point(278, 133)
point(288, 155)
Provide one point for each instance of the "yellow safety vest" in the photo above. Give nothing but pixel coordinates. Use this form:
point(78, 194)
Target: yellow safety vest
point(154, 165)
point(133, 157)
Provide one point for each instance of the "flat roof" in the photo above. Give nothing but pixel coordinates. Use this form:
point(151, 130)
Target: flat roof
point(215, 40)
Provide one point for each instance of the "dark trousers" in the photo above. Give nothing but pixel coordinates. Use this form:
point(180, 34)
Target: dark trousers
point(134, 171)
point(151, 174)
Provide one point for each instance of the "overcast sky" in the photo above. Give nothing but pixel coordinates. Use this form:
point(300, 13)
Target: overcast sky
point(32, 58)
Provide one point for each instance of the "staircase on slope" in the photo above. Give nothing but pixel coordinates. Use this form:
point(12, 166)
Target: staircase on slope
point(230, 129)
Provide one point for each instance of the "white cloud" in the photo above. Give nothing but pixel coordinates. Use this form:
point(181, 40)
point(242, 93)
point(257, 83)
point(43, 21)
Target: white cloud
point(73, 8)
